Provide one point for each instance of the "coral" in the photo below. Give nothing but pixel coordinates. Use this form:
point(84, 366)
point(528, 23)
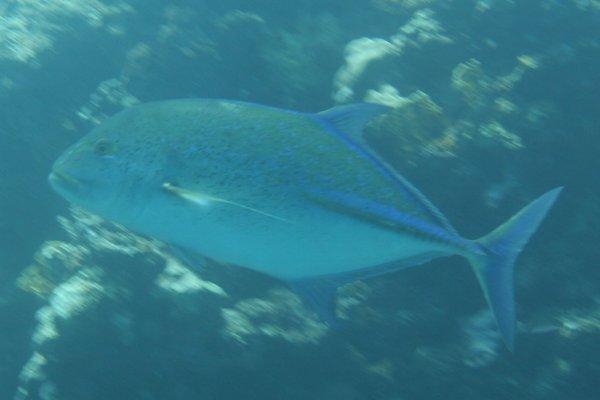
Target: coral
point(280, 314)
point(358, 54)
point(483, 340)
point(303, 75)
point(54, 262)
point(181, 32)
point(237, 17)
point(504, 106)
point(415, 127)
point(386, 95)
point(97, 235)
point(351, 299)
point(489, 100)
point(421, 29)
point(525, 63)
point(579, 322)
point(33, 371)
point(479, 90)
point(496, 133)
point(401, 6)
point(81, 291)
point(31, 27)
point(587, 5)
point(74, 296)
point(110, 96)
point(471, 82)
point(78, 294)
point(177, 280)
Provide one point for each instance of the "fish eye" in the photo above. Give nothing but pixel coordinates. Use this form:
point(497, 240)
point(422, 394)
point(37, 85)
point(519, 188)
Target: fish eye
point(104, 147)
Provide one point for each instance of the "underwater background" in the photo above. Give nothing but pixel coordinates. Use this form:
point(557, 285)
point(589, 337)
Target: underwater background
point(494, 102)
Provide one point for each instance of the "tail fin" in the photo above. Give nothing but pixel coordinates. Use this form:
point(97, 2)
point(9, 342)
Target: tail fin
point(494, 268)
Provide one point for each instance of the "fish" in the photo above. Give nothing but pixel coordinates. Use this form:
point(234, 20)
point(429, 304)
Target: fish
point(301, 197)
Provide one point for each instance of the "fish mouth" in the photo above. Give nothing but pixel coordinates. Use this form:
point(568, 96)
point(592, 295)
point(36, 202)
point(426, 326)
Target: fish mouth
point(63, 182)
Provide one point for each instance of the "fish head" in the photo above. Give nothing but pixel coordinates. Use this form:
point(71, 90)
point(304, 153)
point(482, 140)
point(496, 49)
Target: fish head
point(104, 171)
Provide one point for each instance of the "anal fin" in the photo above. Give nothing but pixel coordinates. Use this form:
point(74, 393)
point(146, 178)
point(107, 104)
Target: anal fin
point(192, 260)
point(320, 295)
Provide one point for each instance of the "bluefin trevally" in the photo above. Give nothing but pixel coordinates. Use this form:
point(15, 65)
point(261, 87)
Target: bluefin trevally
point(298, 196)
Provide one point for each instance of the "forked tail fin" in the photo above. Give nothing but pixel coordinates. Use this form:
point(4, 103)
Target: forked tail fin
point(494, 268)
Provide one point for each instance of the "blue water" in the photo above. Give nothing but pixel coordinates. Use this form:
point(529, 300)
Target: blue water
point(495, 102)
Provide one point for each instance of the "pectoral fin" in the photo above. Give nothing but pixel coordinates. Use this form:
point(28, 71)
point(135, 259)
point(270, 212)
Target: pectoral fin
point(204, 200)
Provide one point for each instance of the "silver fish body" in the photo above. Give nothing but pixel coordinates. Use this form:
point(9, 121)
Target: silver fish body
point(293, 195)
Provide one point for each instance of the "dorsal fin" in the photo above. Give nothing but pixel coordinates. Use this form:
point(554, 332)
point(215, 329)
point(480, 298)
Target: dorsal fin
point(347, 123)
point(352, 118)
